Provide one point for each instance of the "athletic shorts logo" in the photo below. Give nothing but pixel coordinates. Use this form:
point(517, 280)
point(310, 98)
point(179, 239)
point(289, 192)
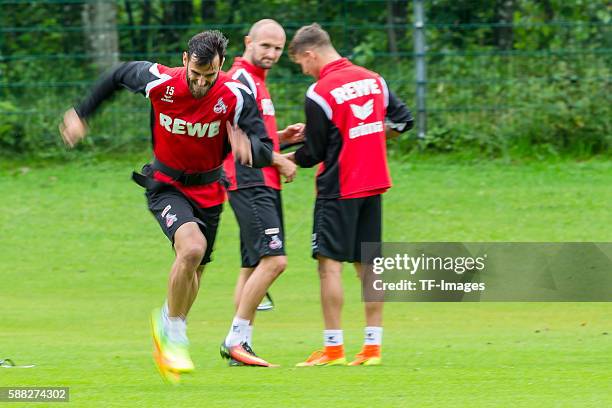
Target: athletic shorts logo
point(220, 106)
point(275, 243)
point(170, 219)
point(168, 207)
point(314, 241)
point(272, 231)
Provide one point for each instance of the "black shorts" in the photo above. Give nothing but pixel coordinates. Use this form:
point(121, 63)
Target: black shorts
point(172, 209)
point(340, 226)
point(259, 213)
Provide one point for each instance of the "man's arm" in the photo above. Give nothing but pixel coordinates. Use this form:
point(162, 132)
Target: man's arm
point(316, 136)
point(134, 76)
point(130, 75)
point(292, 134)
point(399, 119)
point(284, 166)
point(249, 120)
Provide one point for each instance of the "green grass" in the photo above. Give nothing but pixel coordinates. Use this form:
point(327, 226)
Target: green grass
point(83, 263)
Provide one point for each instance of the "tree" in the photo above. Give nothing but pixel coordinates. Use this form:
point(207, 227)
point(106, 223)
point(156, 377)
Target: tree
point(208, 10)
point(100, 26)
point(504, 32)
point(177, 13)
point(397, 15)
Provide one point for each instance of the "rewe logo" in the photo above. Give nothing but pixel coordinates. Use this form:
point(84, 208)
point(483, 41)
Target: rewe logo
point(182, 127)
point(352, 90)
point(362, 112)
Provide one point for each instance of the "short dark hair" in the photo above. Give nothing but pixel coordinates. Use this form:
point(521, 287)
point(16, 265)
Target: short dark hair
point(204, 46)
point(308, 36)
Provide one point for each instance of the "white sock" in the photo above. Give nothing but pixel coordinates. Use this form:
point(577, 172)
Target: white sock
point(237, 331)
point(333, 337)
point(176, 329)
point(164, 311)
point(373, 336)
point(248, 335)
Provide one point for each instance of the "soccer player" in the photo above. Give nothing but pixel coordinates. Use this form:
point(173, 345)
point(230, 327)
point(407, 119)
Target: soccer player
point(347, 112)
point(254, 194)
point(196, 116)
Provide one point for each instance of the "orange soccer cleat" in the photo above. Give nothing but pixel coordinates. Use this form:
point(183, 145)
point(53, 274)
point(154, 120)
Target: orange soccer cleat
point(331, 356)
point(368, 356)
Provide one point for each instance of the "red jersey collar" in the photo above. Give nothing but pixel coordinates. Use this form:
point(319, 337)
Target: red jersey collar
point(334, 65)
point(251, 69)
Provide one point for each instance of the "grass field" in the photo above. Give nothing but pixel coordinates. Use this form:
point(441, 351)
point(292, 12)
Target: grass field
point(83, 263)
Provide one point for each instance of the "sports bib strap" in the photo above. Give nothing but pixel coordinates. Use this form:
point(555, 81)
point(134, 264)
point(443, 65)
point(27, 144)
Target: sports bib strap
point(188, 179)
point(146, 180)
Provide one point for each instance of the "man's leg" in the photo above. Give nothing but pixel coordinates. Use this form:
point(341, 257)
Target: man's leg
point(196, 286)
point(254, 289)
point(332, 243)
point(169, 326)
point(244, 275)
point(264, 305)
point(373, 310)
point(370, 230)
point(332, 295)
point(256, 286)
point(332, 300)
point(183, 285)
point(259, 214)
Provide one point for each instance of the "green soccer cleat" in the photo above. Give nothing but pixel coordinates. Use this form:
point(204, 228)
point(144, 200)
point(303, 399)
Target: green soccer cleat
point(171, 358)
point(266, 303)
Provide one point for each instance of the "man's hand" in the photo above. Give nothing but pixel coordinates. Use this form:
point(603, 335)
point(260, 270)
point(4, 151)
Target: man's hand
point(290, 156)
point(292, 134)
point(391, 133)
point(73, 128)
point(285, 167)
point(241, 145)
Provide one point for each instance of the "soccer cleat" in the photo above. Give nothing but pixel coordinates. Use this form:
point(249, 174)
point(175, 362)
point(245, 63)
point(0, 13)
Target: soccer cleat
point(266, 303)
point(321, 358)
point(368, 356)
point(242, 354)
point(236, 363)
point(171, 358)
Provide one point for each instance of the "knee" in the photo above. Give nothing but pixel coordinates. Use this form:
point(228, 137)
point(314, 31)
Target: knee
point(192, 251)
point(275, 265)
point(328, 273)
point(280, 264)
point(329, 269)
